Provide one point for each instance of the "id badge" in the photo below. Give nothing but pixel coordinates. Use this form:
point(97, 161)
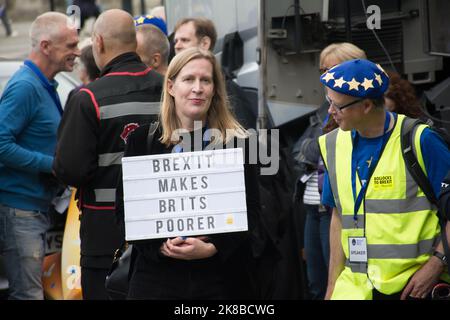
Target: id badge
point(357, 249)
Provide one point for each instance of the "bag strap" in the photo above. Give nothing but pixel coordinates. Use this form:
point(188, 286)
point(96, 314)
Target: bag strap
point(413, 166)
point(151, 134)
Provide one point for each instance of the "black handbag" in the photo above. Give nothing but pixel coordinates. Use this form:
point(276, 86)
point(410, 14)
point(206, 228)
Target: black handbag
point(118, 277)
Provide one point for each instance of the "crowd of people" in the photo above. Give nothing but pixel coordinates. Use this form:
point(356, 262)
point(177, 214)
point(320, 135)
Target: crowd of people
point(370, 231)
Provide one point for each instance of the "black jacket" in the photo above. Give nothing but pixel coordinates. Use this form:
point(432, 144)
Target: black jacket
point(159, 277)
point(91, 140)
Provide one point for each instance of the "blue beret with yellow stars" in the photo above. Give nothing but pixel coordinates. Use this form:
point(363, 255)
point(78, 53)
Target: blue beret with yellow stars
point(358, 78)
point(148, 19)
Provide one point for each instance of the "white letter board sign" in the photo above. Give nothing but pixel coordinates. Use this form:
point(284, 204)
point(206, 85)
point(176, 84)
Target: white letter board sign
point(184, 194)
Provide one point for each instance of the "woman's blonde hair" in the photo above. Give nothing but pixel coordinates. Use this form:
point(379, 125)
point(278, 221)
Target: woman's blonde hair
point(341, 52)
point(219, 115)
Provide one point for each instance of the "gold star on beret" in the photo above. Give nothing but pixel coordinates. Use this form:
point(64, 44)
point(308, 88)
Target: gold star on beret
point(367, 84)
point(339, 82)
point(353, 85)
point(140, 20)
point(378, 78)
point(329, 76)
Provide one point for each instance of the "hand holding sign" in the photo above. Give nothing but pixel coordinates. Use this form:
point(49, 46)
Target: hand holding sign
point(190, 249)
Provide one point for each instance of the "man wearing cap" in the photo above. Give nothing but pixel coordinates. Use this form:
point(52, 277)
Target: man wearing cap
point(383, 229)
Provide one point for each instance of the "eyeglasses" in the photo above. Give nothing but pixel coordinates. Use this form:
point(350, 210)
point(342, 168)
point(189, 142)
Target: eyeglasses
point(340, 108)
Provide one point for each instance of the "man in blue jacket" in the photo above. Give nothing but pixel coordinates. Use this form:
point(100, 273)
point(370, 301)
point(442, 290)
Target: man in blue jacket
point(30, 112)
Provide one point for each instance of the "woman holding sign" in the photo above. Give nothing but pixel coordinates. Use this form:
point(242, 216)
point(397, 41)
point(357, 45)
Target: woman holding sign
point(206, 265)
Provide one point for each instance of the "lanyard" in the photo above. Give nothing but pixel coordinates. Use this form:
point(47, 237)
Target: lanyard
point(376, 156)
point(46, 84)
point(206, 137)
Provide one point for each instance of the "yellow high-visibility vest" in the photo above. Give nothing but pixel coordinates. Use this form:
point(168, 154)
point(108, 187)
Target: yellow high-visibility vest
point(400, 224)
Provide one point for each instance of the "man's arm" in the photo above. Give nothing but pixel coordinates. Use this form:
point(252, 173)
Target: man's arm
point(436, 158)
point(76, 156)
point(426, 277)
point(444, 197)
point(16, 112)
point(337, 256)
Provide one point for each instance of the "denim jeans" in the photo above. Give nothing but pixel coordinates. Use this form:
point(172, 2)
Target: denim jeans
point(317, 249)
point(22, 245)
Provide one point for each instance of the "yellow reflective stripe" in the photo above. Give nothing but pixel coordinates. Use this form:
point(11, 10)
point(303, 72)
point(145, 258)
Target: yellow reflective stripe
point(354, 286)
point(401, 228)
point(417, 149)
point(418, 152)
point(323, 150)
point(330, 141)
point(343, 174)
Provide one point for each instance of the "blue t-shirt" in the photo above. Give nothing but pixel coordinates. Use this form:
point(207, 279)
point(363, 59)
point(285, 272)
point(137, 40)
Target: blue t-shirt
point(436, 157)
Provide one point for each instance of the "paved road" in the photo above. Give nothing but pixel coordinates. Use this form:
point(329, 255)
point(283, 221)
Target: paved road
point(15, 47)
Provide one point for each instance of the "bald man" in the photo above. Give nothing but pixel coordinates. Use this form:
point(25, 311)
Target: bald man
point(30, 112)
point(93, 135)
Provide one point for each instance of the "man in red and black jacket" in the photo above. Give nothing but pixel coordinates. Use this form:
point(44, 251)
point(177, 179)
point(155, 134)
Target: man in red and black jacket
point(92, 137)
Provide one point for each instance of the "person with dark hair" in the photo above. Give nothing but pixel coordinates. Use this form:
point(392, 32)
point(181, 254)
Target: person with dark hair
point(401, 97)
point(92, 137)
point(194, 32)
point(88, 69)
point(201, 32)
point(384, 234)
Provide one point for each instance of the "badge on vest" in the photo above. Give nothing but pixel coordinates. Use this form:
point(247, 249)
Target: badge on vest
point(357, 249)
point(383, 182)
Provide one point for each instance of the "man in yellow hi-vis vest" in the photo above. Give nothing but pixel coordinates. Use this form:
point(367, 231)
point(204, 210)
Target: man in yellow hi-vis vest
point(384, 234)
